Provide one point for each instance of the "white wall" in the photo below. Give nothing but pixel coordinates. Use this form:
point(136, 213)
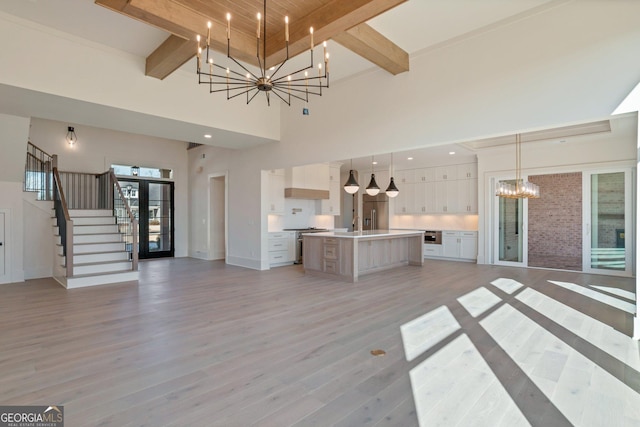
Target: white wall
point(97, 149)
point(14, 133)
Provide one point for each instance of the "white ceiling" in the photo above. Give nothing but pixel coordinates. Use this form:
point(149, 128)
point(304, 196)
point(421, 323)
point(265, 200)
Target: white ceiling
point(415, 26)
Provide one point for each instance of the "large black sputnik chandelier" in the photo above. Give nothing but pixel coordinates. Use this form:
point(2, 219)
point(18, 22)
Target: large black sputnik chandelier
point(298, 84)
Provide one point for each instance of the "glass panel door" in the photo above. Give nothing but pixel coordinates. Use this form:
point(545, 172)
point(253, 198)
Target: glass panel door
point(510, 230)
point(608, 232)
point(151, 203)
point(160, 222)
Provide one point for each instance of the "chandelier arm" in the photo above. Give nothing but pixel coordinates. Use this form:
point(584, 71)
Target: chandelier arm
point(292, 94)
point(243, 67)
point(278, 95)
point(273, 79)
point(252, 96)
point(294, 73)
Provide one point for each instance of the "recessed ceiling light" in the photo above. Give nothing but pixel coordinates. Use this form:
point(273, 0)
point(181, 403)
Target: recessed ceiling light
point(207, 136)
point(375, 163)
point(452, 152)
point(409, 158)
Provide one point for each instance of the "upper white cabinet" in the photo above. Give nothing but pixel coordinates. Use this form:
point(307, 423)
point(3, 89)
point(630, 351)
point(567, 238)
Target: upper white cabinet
point(331, 206)
point(312, 177)
point(276, 191)
point(449, 189)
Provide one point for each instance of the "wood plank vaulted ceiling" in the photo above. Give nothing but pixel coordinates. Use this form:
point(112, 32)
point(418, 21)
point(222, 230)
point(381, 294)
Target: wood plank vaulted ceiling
point(342, 21)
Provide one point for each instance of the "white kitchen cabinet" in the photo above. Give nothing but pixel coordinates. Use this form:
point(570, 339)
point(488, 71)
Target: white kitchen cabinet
point(432, 251)
point(275, 179)
point(467, 194)
point(405, 201)
point(460, 244)
point(405, 177)
point(446, 197)
point(282, 249)
point(467, 171)
point(425, 175)
point(331, 206)
point(311, 177)
point(446, 173)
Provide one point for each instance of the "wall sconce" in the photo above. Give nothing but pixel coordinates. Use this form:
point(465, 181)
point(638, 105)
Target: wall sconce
point(135, 170)
point(71, 136)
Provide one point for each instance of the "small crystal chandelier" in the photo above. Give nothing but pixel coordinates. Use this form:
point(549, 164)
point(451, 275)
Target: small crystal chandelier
point(521, 189)
point(298, 84)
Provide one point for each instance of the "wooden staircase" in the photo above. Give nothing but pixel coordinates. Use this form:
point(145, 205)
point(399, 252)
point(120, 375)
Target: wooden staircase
point(100, 254)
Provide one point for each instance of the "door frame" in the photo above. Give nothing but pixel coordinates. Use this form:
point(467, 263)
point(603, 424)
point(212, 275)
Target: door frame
point(495, 225)
point(143, 212)
point(211, 215)
point(629, 216)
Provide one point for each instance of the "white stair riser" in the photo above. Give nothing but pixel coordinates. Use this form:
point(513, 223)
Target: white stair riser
point(98, 247)
point(96, 238)
point(81, 282)
point(93, 220)
point(73, 213)
point(101, 268)
point(101, 257)
point(94, 229)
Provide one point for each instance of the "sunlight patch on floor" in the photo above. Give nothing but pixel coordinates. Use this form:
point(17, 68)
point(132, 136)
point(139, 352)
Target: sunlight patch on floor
point(423, 332)
point(616, 291)
point(598, 296)
point(508, 286)
point(584, 392)
point(456, 387)
point(478, 301)
point(603, 336)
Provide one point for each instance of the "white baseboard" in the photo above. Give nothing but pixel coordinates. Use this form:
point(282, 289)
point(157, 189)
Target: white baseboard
point(38, 273)
point(254, 264)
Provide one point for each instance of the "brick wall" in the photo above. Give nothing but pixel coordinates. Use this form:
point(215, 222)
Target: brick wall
point(555, 222)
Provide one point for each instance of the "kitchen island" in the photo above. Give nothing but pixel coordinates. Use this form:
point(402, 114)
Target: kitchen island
point(348, 255)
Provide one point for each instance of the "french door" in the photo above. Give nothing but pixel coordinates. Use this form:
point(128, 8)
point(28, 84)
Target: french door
point(152, 204)
point(608, 231)
point(510, 235)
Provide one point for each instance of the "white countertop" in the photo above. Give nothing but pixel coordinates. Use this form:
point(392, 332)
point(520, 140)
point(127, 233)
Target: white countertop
point(366, 233)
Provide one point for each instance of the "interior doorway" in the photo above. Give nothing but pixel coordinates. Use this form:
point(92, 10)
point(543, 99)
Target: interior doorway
point(218, 217)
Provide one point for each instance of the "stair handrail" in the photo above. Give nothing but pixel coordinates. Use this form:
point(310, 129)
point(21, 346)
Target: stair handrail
point(132, 218)
point(65, 223)
point(37, 171)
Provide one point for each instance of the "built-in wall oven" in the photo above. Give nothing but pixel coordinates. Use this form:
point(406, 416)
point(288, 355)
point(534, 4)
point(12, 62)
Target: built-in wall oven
point(433, 237)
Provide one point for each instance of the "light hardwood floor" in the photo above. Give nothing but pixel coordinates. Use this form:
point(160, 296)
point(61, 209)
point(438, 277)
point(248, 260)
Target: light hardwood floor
point(200, 343)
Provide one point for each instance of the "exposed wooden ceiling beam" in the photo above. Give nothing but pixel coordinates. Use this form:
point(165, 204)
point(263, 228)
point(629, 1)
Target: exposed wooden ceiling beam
point(169, 56)
point(371, 45)
point(331, 20)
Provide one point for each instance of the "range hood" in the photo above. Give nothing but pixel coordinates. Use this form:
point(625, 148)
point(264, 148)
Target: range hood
point(305, 193)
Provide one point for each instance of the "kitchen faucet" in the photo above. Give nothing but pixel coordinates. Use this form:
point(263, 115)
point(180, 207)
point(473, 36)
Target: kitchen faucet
point(356, 223)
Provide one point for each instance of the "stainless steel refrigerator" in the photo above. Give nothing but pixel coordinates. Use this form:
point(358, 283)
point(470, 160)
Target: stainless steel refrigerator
point(375, 212)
